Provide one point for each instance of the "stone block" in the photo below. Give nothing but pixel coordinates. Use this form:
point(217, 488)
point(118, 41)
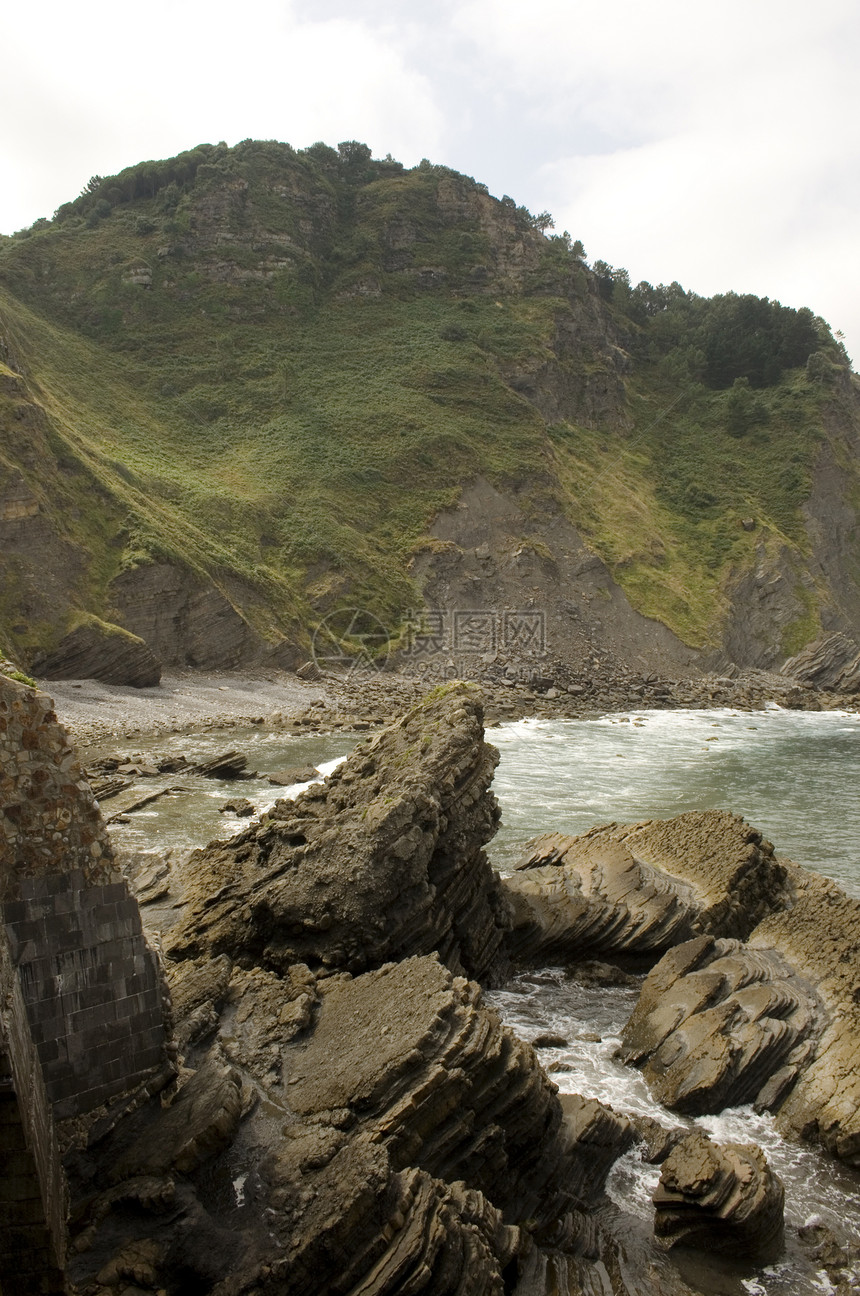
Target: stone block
point(18, 1187)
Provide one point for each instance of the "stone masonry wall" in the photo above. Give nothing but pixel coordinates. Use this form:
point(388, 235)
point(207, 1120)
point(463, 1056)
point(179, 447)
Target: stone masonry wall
point(32, 1187)
point(90, 984)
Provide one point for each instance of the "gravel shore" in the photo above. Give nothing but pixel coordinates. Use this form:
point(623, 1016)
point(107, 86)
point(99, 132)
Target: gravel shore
point(96, 713)
point(184, 700)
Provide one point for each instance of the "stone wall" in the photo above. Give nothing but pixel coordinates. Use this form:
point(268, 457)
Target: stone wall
point(32, 1187)
point(90, 984)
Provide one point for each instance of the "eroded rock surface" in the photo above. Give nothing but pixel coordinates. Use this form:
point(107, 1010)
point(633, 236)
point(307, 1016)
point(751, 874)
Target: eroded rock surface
point(775, 1021)
point(383, 861)
point(719, 1197)
point(382, 1133)
point(96, 650)
point(642, 888)
point(832, 664)
point(717, 1021)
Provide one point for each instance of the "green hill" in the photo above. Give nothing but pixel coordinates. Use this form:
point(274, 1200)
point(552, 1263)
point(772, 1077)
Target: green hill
point(239, 386)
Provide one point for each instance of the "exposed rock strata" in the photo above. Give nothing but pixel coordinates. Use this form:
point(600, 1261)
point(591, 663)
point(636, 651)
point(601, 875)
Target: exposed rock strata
point(642, 888)
point(351, 1124)
point(832, 664)
point(96, 650)
point(716, 1021)
point(383, 861)
point(406, 1141)
point(388, 1132)
point(184, 618)
point(775, 1021)
point(719, 1197)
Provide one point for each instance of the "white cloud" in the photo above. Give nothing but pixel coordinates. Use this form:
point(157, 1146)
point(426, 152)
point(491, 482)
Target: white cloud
point(716, 145)
point(96, 87)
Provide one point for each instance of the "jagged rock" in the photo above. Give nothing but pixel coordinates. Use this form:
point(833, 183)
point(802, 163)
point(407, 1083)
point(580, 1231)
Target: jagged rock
point(823, 1246)
point(719, 1197)
point(415, 1145)
point(820, 937)
point(715, 1020)
point(657, 1140)
point(642, 888)
point(391, 1231)
point(383, 861)
point(229, 765)
point(832, 664)
point(775, 1021)
point(600, 1136)
point(193, 984)
point(264, 1013)
point(200, 1122)
point(152, 883)
point(97, 650)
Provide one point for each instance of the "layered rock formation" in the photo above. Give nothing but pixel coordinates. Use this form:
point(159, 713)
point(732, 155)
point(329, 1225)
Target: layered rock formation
point(832, 664)
point(719, 1197)
point(716, 1022)
point(97, 650)
point(774, 1021)
point(351, 1116)
point(383, 861)
point(183, 618)
point(382, 1131)
point(642, 888)
point(754, 1000)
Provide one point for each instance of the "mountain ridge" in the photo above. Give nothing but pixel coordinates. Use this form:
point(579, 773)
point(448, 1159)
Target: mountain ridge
point(241, 387)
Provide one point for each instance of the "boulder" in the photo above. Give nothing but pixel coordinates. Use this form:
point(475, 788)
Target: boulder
point(295, 774)
point(239, 806)
point(641, 888)
point(773, 1021)
point(716, 1021)
point(383, 861)
point(720, 1197)
point(101, 651)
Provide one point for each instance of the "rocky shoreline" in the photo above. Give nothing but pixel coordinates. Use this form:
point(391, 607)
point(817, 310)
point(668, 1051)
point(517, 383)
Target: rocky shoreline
point(96, 713)
point(345, 1113)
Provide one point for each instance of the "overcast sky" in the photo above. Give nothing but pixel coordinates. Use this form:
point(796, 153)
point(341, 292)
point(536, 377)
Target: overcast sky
point(718, 145)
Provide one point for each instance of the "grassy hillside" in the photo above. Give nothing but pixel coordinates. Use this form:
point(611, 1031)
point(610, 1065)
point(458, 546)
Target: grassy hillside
point(275, 368)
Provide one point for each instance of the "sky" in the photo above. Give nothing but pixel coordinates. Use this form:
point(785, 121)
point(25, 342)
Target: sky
point(713, 144)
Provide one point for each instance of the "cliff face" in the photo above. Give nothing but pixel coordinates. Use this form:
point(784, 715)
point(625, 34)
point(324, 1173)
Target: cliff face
point(244, 387)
